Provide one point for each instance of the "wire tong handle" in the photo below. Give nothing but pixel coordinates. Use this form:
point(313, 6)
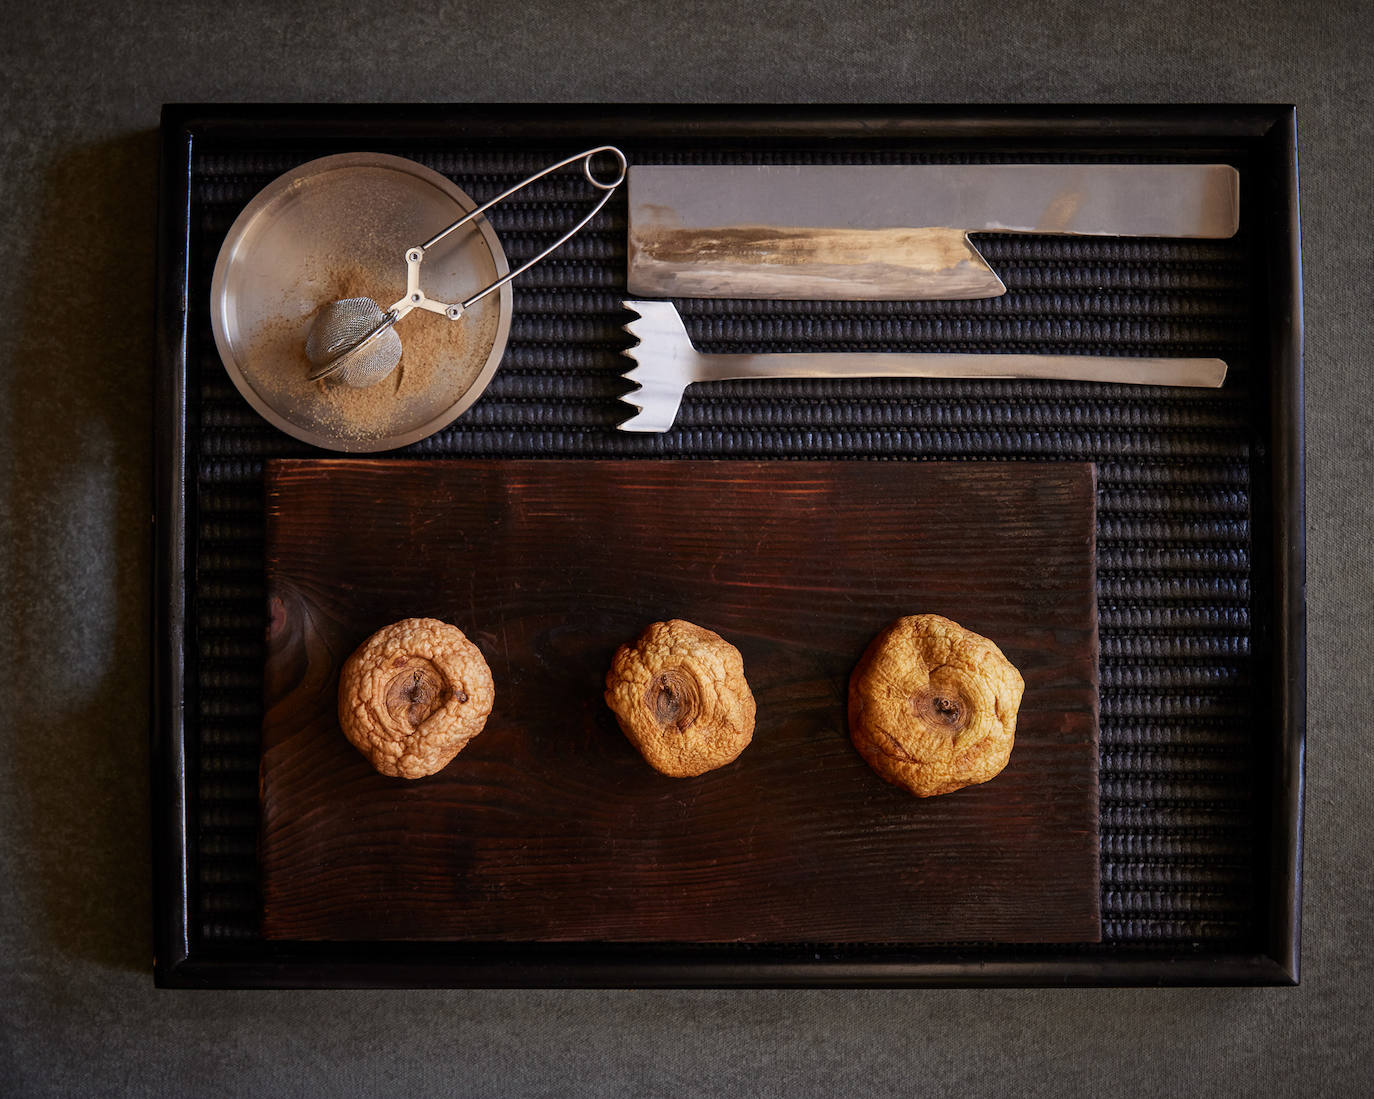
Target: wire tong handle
point(416, 298)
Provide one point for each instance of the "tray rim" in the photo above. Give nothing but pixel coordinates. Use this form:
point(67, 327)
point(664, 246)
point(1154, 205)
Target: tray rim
point(181, 960)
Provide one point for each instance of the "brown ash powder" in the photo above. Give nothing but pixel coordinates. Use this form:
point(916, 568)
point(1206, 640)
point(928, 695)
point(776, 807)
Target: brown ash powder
point(440, 360)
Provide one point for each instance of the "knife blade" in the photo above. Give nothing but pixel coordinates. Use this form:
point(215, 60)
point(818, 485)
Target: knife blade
point(892, 232)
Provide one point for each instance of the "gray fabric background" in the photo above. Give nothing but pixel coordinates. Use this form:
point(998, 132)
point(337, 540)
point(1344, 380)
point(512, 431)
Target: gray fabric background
point(80, 99)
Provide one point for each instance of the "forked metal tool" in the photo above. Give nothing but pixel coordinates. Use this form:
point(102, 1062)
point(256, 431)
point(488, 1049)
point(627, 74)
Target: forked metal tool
point(666, 363)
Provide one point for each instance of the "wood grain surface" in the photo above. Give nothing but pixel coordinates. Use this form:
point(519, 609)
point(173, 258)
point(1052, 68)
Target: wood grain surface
point(549, 826)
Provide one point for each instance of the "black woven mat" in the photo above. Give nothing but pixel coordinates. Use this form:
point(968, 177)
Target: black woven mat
point(1179, 811)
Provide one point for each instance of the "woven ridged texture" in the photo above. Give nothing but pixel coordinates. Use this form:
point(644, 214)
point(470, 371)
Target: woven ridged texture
point(1176, 482)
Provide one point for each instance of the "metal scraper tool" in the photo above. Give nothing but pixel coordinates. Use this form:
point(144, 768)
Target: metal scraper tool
point(667, 363)
point(892, 232)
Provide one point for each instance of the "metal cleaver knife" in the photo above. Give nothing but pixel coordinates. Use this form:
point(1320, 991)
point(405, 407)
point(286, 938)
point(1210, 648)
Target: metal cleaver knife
point(885, 233)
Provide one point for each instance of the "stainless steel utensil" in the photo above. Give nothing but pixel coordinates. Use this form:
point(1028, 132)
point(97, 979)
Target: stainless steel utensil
point(667, 363)
point(353, 340)
point(888, 232)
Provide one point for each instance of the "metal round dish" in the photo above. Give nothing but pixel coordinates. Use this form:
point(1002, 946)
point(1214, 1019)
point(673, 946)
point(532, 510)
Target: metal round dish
point(339, 227)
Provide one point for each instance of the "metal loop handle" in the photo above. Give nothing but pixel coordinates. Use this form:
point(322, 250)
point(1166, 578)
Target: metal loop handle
point(606, 187)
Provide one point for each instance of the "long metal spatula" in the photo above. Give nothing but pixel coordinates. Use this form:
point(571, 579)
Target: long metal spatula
point(667, 363)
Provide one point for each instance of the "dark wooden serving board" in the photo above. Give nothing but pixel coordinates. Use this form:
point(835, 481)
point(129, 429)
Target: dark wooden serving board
point(549, 826)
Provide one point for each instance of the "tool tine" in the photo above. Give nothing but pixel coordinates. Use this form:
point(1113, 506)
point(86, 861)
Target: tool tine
point(630, 374)
point(659, 334)
point(631, 326)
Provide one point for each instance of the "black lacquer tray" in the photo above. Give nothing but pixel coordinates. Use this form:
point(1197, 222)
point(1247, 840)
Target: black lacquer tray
point(1199, 502)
